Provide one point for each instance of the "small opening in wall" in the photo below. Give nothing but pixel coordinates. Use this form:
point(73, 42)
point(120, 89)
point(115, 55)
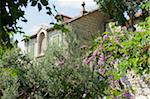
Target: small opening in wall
point(41, 43)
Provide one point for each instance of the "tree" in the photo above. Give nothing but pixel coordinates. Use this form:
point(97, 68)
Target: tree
point(10, 12)
point(122, 11)
point(114, 8)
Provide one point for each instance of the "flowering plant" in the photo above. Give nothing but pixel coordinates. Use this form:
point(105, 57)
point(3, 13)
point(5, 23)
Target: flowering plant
point(113, 54)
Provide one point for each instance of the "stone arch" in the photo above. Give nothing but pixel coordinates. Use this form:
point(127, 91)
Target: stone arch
point(42, 42)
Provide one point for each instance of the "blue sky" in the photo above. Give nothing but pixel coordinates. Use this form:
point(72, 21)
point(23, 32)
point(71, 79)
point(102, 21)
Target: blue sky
point(36, 19)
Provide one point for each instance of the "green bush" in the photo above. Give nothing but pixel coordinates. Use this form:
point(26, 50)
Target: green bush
point(60, 74)
point(117, 53)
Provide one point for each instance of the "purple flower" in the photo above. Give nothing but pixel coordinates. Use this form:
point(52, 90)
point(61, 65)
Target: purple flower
point(102, 59)
point(101, 46)
point(116, 83)
point(87, 60)
point(110, 54)
point(105, 37)
point(111, 77)
point(117, 40)
point(132, 97)
point(102, 71)
point(126, 94)
point(95, 53)
point(100, 62)
point(124, 55)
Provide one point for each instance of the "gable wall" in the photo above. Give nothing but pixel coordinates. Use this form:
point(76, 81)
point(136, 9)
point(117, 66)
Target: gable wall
point(88, 26)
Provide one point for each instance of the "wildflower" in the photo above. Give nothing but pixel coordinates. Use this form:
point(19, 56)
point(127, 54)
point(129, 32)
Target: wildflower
point(117, 40)
point(88, 60)
point(126, 94)
point(116, 83)
point(132, 97)
point(110, 54)
point(111, 77)
point(102, 71)
point(102, 59)
point(95, 53)
point(101, 46)
point(124, 55)
point(124, 80)
point(105, 37)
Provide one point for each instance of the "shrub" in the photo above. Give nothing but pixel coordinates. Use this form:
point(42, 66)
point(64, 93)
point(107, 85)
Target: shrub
point(60, 74)
point(118, 52)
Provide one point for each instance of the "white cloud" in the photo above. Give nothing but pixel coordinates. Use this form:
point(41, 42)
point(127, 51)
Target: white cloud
point(66, 6)
point(74, 3)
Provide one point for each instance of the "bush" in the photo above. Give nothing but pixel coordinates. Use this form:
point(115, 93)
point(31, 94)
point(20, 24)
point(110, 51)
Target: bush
point(118, 52)
point(60, 74)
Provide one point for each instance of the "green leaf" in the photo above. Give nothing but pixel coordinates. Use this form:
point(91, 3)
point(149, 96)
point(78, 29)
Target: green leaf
point(33, 3)
point(108, 97)
point(116, 76)
point(24, 20)
point(39, 7)
point(117, 92)
point(48, 8)
point(44, 2)
point(135, 61)
point(65, 30)
point(49, 13)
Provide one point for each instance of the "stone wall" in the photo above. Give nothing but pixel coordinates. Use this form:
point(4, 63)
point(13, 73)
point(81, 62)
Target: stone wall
point(88, 26)
point(140, 85)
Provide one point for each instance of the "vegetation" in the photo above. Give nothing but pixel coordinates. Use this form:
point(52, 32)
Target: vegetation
point(116, 54)
point(124, 12)
point(55, 77)
point(114, 8)
point(62, 73)
point(11, 11)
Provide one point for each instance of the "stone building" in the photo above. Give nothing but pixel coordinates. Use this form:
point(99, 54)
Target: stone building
point(86, 26)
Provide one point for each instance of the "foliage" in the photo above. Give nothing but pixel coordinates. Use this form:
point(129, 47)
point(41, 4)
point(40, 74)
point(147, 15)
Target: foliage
point(116, 8)
point(70, 77)
point(12, 69)
point(118, 52)
point(61, 74)
point(11, 11)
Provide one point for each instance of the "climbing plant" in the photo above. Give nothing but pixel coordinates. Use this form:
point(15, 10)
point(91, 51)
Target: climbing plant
point(116, 53)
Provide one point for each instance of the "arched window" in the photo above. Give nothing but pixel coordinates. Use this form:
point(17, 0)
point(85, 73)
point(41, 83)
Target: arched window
point(41, 43)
